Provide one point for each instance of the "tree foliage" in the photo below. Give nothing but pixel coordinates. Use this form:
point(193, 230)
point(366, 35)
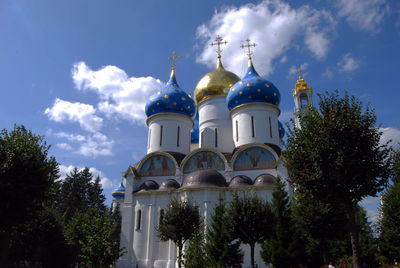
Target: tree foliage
point(181, 220)
point(195, 256)
point(282, 247)
point(221, 248)
point(250, 220)
point(389, 224)
point(26, 175)
point(336, 156)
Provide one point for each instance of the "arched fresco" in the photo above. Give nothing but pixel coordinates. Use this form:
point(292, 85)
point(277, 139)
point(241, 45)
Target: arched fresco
point(203, 160)
point(254, 158)
point(157, 165)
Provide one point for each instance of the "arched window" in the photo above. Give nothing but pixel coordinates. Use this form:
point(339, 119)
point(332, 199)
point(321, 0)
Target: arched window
point(148, 142)
point(161, 216)
point(252, 126)
point(237, 131)
point(177, 137)
point(161, 131)
point(138, 219)
point(303, 100)
point(216, 137)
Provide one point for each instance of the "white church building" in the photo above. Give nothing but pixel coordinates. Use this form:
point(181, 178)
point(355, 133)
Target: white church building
point(225, 140)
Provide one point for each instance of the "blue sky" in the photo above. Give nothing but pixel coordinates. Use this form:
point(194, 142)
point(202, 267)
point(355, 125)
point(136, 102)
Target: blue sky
point(80, 72)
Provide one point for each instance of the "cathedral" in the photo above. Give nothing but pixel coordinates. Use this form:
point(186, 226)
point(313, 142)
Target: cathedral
point(227, 139)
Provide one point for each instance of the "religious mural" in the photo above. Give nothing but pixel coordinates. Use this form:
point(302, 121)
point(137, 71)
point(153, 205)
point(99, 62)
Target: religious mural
point(158, 165)
point(254, 158)
point(204, 160)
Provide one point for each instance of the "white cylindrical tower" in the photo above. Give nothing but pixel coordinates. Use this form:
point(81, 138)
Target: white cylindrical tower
point(253, 104)
point(215, 127)
point(302, 95)
point(170, 113)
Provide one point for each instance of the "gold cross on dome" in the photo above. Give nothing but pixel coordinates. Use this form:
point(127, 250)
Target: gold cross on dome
point(299, 71)
point(218, 43)
point(174, 58)
point(248, 46)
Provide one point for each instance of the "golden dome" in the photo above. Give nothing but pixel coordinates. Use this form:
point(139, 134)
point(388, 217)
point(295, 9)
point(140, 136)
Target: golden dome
point(215, 83)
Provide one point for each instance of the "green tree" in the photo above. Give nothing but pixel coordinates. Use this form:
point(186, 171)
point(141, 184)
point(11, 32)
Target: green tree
point(389, 224)
point(250, 220)
point(195, 254)
point(79, 192)
point(26, 176)
point(336, 157)
point(181, 220)
point(220, 248)
point(92, 236)
point(281, 248)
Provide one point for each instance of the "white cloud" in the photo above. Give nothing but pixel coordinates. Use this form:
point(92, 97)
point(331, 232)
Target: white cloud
point(91, 145)
point(363, 14)
point(348, 63)
point(70, 137)
point(328, 72)
point(84, 114)
point(293, 69)
point(272, 25)
point(391, 133)
point(120, 95)
point(95, 145)
point(105, 182)
point(64, 146)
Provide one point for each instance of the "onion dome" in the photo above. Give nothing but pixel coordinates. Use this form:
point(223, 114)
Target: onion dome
point(215, 83)
point(148, 186)
point(194, 132)
point(119, 193)
point(168, 185)
point(204, 178)
point(281, 130)
point(265, 180)
point(171, 99)
point(252, 89)
point(240, 181)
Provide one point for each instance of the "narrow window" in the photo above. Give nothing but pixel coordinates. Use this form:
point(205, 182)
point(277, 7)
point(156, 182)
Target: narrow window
point(161, 130)
point(148, 142)
point(270, 127)
point(138, 219)
point(177, 137)
point(252, 126)
point(216, 137)
point(202, 139)
point(161, 216)
point(237, 131)
point(303, 100)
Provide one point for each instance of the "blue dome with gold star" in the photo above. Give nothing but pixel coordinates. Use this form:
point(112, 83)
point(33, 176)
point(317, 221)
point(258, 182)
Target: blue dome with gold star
point(194, 132)
point(119, 193)
point(281, 130)
point(171, 99)
point(252, 89)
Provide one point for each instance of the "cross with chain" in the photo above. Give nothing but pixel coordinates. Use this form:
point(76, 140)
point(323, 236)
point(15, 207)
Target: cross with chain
point(218, 43)
point(248, 46)
point(174, 58)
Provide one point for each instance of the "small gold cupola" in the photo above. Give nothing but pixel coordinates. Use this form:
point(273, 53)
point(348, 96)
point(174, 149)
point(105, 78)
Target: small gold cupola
point(217, 82)
point(301, 85)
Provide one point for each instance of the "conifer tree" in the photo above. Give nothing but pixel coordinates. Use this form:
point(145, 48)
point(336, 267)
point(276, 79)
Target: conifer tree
point(195, 256)
point(220, 248)
point(281, 247)
point(389, 224)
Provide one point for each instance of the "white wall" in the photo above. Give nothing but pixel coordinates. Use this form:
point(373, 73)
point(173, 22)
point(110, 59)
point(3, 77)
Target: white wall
point(262, 116)
point(169, 124)
point(213, 114)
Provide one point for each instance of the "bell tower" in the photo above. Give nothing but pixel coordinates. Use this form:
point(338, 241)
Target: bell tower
point(302, 95)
